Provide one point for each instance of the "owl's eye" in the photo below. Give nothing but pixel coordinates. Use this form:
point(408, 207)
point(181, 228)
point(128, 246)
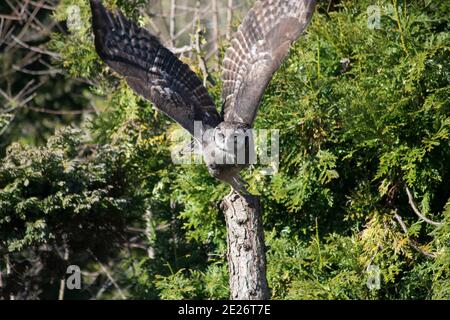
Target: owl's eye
point(219, 138)
point(239, 138)
point(239, 132)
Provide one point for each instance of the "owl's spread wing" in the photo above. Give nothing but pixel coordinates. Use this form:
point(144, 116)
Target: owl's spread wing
point(151, 70)
point(257, 50)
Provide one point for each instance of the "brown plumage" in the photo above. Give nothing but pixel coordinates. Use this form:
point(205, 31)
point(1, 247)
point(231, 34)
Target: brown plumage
point(151, 69)
point(257, 50)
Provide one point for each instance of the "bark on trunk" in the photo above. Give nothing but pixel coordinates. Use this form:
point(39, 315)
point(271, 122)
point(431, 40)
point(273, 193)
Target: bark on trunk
point(246, 248)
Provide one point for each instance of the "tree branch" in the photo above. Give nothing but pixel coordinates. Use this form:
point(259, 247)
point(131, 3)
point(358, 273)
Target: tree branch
point(108, 275)
point(413, 243)
point(417, 211)
point(8, 274)
point(229, 19)
point(62, 284)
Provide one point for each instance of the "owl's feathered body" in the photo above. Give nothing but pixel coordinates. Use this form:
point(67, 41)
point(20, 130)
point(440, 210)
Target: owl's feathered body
point(257, 50)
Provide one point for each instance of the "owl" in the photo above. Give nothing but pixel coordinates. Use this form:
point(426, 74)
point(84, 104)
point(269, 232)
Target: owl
point(256, 52)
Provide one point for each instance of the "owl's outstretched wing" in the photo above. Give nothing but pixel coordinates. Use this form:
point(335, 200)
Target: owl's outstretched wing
point(151, 70)
point(257, 50)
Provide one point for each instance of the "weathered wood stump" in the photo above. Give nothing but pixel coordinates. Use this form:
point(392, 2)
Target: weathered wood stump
point(246, 249)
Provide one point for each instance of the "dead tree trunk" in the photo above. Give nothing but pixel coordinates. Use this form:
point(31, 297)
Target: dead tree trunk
point(246, 249)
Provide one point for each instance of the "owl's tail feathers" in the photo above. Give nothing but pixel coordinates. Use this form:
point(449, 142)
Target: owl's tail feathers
point(239, 185)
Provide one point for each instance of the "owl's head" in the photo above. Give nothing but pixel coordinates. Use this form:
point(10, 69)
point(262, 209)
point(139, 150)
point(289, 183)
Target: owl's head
point(234, 139)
